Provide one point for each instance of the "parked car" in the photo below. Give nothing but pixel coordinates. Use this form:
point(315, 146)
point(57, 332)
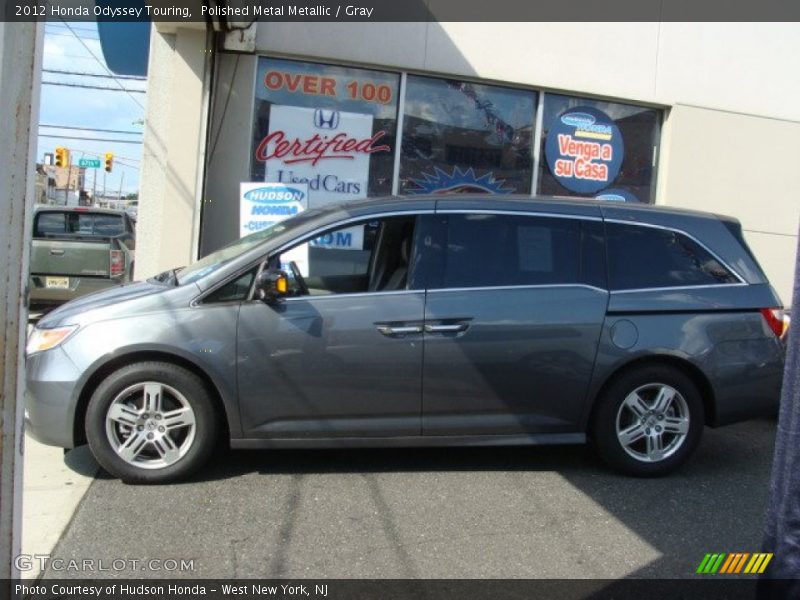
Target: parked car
point(432, 321)
point(132, 210)
point(77, 251)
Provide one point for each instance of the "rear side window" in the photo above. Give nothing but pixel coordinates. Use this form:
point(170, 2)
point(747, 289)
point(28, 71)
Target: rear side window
point(646, 257)
point(53, 224)
point(484, 250)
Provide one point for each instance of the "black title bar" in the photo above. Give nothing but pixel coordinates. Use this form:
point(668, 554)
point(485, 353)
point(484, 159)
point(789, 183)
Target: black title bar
point(238, 12)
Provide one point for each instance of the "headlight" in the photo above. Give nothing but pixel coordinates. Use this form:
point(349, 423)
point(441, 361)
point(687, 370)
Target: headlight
point(45, 339)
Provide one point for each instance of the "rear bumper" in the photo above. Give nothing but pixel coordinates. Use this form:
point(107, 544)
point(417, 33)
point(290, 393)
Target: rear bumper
point(750, 386)
point(39, 293)
point(51, 398)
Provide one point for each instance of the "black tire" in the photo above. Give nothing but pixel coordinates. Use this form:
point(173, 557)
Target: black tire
point(194, 451)
point(603, 427)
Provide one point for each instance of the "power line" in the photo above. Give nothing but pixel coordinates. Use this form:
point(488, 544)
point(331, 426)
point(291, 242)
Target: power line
point(90, 129)
point(88, 37)
point(58, 25)
point(107, 70)
point(94, 87)
point(88, 139)
point(79, 73)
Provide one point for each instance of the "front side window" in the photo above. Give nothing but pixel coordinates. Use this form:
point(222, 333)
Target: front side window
point(373, 256)
point(646, 257)
point(462, 137)
point(233, 291)
point(485, 250)
point(329, 127)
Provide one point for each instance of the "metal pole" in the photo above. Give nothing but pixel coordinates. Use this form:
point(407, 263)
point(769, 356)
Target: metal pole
point(20, 76)
point(121, 180)
point(781, 579)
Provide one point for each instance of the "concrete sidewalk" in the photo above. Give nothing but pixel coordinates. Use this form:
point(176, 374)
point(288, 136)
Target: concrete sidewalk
point(54, 484)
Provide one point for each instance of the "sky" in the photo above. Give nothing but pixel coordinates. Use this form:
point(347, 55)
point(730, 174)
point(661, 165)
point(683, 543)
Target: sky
point(78, 107)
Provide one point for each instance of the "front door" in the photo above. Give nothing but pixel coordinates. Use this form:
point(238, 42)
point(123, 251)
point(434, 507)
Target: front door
point(512, 322)
point(342, 357)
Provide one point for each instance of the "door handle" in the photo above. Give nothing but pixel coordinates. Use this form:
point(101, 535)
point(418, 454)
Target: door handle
point(454, 328)
point(57, 252)
point(392, 331)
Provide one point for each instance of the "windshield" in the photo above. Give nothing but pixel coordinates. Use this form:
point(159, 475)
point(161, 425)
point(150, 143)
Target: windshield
point(212, 262)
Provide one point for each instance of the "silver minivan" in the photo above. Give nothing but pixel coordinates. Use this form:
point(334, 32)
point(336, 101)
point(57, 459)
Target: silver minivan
point(421, 321)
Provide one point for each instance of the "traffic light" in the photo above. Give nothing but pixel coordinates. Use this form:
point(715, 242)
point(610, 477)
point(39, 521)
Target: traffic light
point(109, 161)
point(62, 156)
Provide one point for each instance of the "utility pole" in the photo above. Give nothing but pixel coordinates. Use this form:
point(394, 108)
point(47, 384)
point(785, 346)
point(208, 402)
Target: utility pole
point(20, 78)
point(782, 523)
point(119, 196)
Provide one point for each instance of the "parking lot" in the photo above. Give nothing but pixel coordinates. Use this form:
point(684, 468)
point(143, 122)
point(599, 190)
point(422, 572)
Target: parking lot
point(431, 513)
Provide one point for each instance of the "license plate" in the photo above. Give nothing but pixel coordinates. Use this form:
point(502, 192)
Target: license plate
point(57, 283)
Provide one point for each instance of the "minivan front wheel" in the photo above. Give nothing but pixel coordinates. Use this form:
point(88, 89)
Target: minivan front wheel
point(648, 421)
point(151, 422)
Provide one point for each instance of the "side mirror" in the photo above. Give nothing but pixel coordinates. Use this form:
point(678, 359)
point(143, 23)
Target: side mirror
point(272, 285)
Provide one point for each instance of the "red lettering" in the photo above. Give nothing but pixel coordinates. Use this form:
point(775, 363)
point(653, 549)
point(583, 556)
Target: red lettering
point(310, 85)
point(292, 81)
point(273, 80)
point(328, 87)
point(317, 148)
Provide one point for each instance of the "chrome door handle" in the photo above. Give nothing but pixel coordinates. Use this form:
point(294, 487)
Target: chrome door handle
point(57, 252)
point(455, 328)
point(399, 330)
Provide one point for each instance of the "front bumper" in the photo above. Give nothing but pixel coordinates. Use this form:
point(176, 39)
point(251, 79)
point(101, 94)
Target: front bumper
point(51, 397)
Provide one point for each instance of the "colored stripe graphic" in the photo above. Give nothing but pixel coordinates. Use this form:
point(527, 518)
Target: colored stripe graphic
point(734, 563)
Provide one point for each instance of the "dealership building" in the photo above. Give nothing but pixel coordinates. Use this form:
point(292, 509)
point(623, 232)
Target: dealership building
point(691, 115)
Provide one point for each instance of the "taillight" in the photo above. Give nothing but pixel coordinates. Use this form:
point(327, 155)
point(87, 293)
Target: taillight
point(116, 263)
point(777, 320)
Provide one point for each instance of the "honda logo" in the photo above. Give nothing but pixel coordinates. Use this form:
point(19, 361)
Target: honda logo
point(326, 119)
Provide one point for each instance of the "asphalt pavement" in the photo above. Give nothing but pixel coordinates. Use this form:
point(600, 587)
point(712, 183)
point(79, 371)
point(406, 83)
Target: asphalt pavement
point(429, 513)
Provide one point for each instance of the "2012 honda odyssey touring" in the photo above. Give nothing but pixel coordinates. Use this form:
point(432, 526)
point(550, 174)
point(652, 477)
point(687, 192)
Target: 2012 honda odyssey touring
point(424, 321)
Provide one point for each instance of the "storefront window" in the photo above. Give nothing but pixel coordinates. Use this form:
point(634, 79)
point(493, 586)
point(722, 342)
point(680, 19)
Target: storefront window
point(600, 149)
point(332, 128)
point(466, 137)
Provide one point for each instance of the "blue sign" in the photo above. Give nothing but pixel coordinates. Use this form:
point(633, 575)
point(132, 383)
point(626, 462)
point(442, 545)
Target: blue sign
point(617, 195)
point(584, 149)
point(125, 44)
point(262, 204)
point(275, 194)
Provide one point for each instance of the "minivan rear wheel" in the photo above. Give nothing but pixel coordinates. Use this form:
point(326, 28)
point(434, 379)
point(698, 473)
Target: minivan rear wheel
point(151, 422)
point(648, 421)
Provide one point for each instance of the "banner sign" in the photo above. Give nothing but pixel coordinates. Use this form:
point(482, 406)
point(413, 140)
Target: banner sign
point(584, 150)
point(264, 204)
point(328, 150)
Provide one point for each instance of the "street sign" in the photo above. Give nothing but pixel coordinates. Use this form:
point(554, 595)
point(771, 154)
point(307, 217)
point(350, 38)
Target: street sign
point(89, 163)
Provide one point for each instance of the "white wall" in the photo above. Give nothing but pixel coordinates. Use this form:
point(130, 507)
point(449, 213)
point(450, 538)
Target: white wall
point(173, 148)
